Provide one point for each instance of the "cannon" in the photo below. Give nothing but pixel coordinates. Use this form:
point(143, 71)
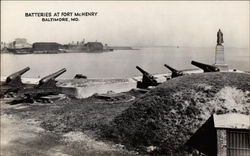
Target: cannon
point(175, 73)
point(49, 81)
point(46, 86)
point(13, 83)
point(15, 78)
point(205, 67)
point(147, 79)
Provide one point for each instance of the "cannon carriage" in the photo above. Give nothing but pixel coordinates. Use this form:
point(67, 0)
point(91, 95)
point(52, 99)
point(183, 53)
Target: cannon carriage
point(147, 79)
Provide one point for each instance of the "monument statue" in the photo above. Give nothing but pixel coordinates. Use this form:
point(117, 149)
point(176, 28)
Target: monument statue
point(219, 37)
point(219, 53)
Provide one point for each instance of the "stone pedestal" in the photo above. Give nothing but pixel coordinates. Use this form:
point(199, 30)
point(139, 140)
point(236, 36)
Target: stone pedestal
point(219, 58)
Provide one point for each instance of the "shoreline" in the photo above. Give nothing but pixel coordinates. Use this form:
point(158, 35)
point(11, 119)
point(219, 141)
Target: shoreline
point(26, 51)
point(83, 88)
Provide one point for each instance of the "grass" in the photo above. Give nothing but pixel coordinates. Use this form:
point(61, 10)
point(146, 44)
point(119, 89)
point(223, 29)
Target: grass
point(168, 115)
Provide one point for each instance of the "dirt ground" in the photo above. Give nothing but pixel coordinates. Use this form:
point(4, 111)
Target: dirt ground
point(62, 128)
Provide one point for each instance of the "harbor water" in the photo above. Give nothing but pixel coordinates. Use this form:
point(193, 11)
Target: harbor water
point(120, 63)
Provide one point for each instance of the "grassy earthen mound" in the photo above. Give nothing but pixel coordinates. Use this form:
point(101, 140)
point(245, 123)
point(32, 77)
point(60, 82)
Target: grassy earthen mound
point(167, 116)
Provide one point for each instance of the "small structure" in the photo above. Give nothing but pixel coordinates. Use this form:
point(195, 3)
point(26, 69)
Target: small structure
point(219, 53)
point(223, 135)
point(45, 46)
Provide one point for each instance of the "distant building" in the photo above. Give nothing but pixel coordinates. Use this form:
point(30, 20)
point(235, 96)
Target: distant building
point(3, 45)
point(94, 46)
point(45, 46)
point(20, 43)
point(88, 47)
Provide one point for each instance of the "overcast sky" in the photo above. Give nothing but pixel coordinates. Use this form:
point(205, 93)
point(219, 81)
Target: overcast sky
point(143, 23)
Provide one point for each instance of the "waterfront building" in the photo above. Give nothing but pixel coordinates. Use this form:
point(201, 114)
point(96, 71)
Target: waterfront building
point(21, 43)
point(45, 46)
point(3, 45)
point(94, 46)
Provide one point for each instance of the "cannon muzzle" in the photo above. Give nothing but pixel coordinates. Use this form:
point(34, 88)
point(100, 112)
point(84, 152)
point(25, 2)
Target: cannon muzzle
point(175, 73)
point(51, 77)
point(145, 74)
point(205, 67)
point(141, 70)
point(17, 75)
point(170, 68)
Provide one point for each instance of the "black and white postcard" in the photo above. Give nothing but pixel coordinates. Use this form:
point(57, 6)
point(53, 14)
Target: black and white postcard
point(93, 78)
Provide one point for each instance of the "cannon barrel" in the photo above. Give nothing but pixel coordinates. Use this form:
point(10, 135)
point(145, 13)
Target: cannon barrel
point(205, 67)
point(142, 71)
point(147, 79)
point(17, 74)
point(52, 76)
point(175, 73)
point(171, 69)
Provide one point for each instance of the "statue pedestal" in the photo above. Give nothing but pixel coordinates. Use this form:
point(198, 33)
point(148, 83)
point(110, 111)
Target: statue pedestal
point(219, 58)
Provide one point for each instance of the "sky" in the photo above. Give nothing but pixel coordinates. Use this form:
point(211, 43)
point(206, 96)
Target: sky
point(131, 23)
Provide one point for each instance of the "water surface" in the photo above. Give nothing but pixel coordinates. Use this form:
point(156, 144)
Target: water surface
point(120, 64)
